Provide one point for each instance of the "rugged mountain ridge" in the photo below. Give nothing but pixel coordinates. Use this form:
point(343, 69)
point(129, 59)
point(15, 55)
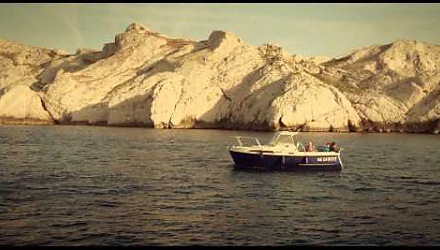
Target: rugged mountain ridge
point(145, 78)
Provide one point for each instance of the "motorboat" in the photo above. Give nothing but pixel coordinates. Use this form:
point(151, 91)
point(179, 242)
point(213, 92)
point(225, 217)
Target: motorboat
point(284, 152)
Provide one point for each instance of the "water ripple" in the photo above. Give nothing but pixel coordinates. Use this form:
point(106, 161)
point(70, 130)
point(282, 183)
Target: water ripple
point(73, 185)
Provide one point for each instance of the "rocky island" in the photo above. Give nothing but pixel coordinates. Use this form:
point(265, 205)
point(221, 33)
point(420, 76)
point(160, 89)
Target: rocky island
point(147, 79)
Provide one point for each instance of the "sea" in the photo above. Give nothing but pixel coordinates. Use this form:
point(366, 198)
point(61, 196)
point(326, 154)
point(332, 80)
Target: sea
point(113, 186)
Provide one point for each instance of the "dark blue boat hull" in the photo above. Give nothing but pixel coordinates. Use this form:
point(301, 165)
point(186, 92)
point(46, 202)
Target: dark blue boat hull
point(255, 161)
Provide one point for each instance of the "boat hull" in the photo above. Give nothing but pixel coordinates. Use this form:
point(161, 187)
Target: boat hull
point(304, 162)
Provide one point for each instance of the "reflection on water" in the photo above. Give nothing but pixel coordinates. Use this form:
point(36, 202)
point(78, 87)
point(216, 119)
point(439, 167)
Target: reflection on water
point(73, 185)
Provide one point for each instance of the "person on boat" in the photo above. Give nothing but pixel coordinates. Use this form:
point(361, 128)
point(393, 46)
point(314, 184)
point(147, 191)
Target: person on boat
point(309, 147)
point(334, 147)
point(327, 147)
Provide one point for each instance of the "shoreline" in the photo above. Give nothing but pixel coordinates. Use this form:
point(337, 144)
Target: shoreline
point(408, 129)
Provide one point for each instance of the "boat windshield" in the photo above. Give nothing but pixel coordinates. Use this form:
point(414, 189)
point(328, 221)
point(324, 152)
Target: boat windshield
point(282, 138)
point(247, 141)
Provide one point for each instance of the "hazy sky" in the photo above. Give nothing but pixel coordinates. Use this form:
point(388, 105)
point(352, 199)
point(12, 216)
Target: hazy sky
point(307, 29)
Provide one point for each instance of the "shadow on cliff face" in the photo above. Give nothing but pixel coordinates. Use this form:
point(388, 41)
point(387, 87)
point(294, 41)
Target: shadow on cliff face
point(71, 64)
point(132, 112)
point(431, 126)
point(239, 101)
point(136, 112)
point(234, 110)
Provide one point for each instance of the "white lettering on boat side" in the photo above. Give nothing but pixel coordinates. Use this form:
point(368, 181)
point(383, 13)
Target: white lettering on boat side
point(326, 159)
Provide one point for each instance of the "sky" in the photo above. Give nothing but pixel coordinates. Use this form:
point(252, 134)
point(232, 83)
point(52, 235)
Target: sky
point(317, 29)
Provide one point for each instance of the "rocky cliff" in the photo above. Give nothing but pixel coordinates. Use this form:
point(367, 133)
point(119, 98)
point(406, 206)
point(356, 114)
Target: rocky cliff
point(145, 78)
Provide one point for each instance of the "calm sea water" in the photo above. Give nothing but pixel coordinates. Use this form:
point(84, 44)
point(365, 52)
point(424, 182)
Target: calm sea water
point(79, 185)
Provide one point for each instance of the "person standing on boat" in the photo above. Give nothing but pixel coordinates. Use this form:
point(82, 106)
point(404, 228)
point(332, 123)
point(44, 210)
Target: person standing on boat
point(309, 147)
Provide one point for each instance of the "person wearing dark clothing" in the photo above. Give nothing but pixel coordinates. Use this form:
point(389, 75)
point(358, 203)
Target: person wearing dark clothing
point(334, 147)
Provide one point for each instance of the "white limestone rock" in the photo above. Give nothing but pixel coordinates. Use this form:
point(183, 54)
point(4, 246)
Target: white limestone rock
point(20, 67)
point(22, 103)
point(145, 78)
point(319, 107)
point(390, 84)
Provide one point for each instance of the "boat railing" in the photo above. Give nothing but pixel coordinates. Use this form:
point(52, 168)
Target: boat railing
point(247, 141)
point(300, 146)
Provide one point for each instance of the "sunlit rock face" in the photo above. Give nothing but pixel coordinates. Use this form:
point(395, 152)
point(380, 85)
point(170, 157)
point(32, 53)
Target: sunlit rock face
point(145, 78)
point(393, 87)
point(20, 69)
